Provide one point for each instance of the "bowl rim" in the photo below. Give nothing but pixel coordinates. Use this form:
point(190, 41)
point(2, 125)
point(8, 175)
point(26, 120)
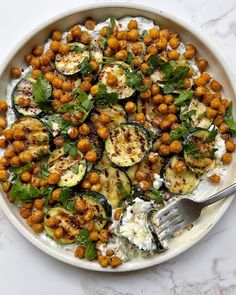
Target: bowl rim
point(3, 203)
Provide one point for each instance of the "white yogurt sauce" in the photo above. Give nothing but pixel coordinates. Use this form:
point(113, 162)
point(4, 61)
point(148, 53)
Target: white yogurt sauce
point(220, 147)
point(157, 182)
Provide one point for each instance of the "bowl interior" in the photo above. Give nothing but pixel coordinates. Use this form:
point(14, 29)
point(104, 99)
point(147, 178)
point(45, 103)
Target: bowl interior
point(63, 22)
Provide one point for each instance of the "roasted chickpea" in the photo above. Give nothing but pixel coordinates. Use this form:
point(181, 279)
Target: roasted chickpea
point(152, 50)
point(56, 194)
point(180, 167)
point(38, 50)
point(76, 31)
point(9, 153)
point(104, 119)
point(154, 33)
point(25, 212)
point(223, 128)
point(84, 145)
point(58, 232)
point(200, 91)
point(86, 86)
point(133, 24)
point(104, 235)
point(140, 175)
point(3, 143)
point(84, 129)
point(173, 55)
point(4, 174)
point(56, 36)
point(137, 63)
point(96, 187)
point(28, 58)
point(225, 103)
point(115, 261)
point(144, 95)
point(214, 178)
point(88, 215)
point(80, 252)
point(90, 24)
point(230, 146)
point(6, 185)
point(103, 132)
point(18, 146)
point(215, 86)
point(161, 44)
point(144, 185)
point(202, 64)
point(218, 120)
point(35, 62)
point(15, 161)
point(26, 176)
point(221, 110)
point(227, 158)
point(91, 156)
point(140, 118)
point(162, 108)
point(113, 43)
point(86, 184)
point(133, 35)
point(165, 138)
point(137, 48)
point(57, 82)
point(165, 125)
point(108, 52)
point(52, 222)
point(73, 132)
point(93, 177)
point(37, 228)
point(190, 51)
point(187, 83)
point(121, 35)
point(174, 42)
point(176, 147)
point(165, 34)
point(94, 89)
point(38, 204)
point(103, 260)
point(3, 123)
point(111, 79)
point(144, 68)
point(130, 107)
point(95, 66)
point(3, 106)
point(171, 118)
point(215, 103)
point(155, 89)
point(164, 150)
point(85, 38)
point(8, 134)
point(15, 72)
point(36, 73)
point(172, 109)
point(158, 99)
point(118, 213)
point(121, 55)
point(4, 162)
point(211, 113)
point(168, 99)
point(147, 40)
point(53, 178)
point(37, 216)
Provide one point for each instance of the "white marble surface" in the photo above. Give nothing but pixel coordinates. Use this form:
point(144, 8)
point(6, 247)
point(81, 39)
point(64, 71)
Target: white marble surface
point(208, 268)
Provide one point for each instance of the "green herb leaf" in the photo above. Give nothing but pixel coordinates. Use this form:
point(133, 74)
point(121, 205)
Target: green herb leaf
point(78, 49)
point(175, 79)
point(75, 169)
point(19, 170)
point(44, 173)
point(42, 90)
point(66, 200)
point(122, 190)
point(83, 236)
point(190, 147)
point(46, 192)
point(21, 193)
point(212, 134)
point(85, 67)
point(90, 251)
point(229, 119)
point(184, 116)
point(70, 147)
point(179, 133)
point(83, 99)
point(103, 98)
point(129, 59)
point(183, 97)
point(158, 196)
point(134, 80)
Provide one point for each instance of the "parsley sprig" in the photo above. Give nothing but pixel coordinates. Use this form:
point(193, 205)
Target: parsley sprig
point(90, 249)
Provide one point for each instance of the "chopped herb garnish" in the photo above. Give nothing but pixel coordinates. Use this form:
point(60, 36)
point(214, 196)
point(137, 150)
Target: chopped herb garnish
point(78, 49)
point(83, 99)
point(75, 169)
point(175, 79)
point(158, 196)
point(46, 192)
point(229, 119)
point(212, 134)
point(70, 147)
point(66, 200)
point(134, 80)
point(90, 249)
point(129, 59)
point(44, 173)
point(42, 90)
point(103, 98)
point(184, 116)
point(184, 96)
point(85, 67)
point(179, 133)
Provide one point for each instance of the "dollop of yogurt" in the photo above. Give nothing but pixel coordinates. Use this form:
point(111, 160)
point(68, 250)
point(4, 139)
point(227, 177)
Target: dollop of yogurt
point(220, 147)
point(157, 182)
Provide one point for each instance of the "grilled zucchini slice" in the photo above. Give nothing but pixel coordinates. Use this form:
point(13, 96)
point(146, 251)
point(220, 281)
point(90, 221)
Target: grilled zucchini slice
point(115, 112)
point(109, 180)
point(71, 169)
point(104, 162)
point(68, 64)
point(127, 144)
point(24, 89)
point(121, 88)
point(100, 206)
point(203, 160)
point(37, 137)
point(68, 221)
point(147, 167)
point(179, 183)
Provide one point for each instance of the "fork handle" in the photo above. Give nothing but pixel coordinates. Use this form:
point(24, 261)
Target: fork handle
point(220, 195)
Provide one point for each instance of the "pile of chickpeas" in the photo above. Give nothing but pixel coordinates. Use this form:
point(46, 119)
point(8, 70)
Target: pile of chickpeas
point(162, 42)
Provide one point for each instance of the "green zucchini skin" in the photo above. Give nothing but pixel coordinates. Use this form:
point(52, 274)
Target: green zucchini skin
point(179, 183)
point(109, 179)
point(204, 163)
point(24, 88)
point(99, 204)
point(37, 137)
point(62, 162)
point(159, 244)
point(118, 68)
point(68, 221)
point(127, 144)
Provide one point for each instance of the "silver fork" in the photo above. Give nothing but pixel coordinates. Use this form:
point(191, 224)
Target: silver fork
point(181, 213)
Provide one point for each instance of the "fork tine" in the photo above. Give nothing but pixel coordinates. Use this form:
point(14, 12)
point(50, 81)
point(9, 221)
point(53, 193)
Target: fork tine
point(169, 215)
point(166, 235)
point(167, 209)
point(170, 223)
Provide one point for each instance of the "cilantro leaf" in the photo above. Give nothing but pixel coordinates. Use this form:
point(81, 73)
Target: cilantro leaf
point(184, 116)
point(212, 134)
point(129, 59)
point(17, 171)
point(191, 148)
point(83, 236)
point(65, 199)
point(83, 99)
point(78, 49)
point(83, 239)
point(229, 119)
point(103, 98)
point(70, 147)
point(21, 193)
point(175, 79)
point(183, 97)
point(85, 67)
point(158, 196)
point(44, 173)
point(46, 192)
point(134, 80)
point(178, 133)
point(42, 90)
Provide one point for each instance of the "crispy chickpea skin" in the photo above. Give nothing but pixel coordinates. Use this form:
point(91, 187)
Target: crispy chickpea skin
point(53, 178)
point(91, 156)
point(176, 147)
point(15, 72)
point(3, 106)
point(214, 178)
point(130, 107)
point(227, 158)
point(80, 252)
point(115, 261)
point(84, 145)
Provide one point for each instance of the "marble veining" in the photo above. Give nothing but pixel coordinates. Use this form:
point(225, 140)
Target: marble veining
point(208, 268)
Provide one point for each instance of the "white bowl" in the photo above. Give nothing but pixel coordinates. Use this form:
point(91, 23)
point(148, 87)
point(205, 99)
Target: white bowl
point(217, 67)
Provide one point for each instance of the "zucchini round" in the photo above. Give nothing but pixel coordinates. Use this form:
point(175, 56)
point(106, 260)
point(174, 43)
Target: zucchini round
point(127, 144)
point(109, 180)
point(115, 112)
point(68, 221)
point(71, 169)
point(203, 160)
point(104, 162)
point(37, 137)
point(119, 70)
point(179, 183)
point(100, 206)
point(24, 89)
point(68, 64)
